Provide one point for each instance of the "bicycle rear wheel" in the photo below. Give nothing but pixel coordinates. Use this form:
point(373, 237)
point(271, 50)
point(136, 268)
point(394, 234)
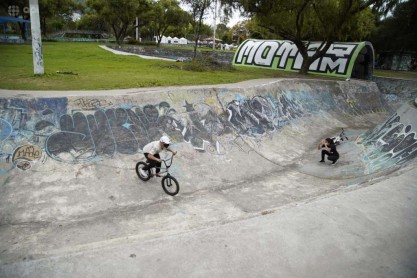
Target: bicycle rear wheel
point(138, 167)
point(170, 185)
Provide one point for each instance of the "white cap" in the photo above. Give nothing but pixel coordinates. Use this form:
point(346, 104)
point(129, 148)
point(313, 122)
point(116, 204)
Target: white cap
point(165, 140)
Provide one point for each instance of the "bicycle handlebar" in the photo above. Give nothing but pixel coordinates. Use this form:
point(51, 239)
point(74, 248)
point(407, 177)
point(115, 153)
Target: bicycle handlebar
point(166, 160)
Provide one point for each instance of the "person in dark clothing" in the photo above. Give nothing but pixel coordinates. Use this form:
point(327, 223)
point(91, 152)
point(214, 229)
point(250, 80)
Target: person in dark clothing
point(328, 147)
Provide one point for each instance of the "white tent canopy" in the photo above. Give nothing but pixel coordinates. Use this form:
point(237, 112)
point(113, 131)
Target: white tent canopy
point(174, 40)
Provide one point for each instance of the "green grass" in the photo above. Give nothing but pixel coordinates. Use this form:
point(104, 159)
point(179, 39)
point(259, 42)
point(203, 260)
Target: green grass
point(95, 68)
point(410, 75)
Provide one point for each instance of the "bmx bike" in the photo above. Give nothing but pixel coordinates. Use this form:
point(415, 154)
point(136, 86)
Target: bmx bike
point(340, 138)
point(169, 183)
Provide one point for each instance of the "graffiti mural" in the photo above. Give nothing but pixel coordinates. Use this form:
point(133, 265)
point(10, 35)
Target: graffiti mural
point(83, 129)
point(30, 128)
point(261, 115)
point(98, 128)
point(202, 126)
point(339, 59)
point(103, 133)
point(24, 126)
point(393, 143)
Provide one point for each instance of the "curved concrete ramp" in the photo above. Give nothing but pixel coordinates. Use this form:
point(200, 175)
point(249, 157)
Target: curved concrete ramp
point(246, 150)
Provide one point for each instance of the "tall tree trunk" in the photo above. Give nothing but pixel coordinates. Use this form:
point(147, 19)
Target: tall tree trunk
point(119, 32)
point(198, 28)
point(43, 26)
point(159, 39)
point(305, 65)
point(22, 28)
point(195, 48)
point(196, 35)
point(307, 60)
point(302, 47)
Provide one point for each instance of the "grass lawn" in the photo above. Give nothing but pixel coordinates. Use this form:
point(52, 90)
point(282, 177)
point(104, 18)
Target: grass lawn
point(96, 68)
point(411, 75)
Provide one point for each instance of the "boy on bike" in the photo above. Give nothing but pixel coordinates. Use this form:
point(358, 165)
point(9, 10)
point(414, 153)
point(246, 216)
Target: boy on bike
point(151, 152)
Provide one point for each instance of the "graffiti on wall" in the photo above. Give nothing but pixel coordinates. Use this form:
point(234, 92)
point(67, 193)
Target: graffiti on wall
point(86, 103)
point(285, 55)
point(393, 143)
point(33, 130)
point(21, 138)
point(260, 115)
point(82, 130)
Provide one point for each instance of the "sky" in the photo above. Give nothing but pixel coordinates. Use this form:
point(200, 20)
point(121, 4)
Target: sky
point(209, 19)
point(235, 19)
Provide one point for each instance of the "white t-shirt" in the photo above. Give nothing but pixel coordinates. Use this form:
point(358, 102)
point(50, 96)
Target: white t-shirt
point(152, 148)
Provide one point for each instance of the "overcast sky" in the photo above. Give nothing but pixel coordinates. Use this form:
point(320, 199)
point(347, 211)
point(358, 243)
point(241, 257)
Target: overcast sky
point(209, 19)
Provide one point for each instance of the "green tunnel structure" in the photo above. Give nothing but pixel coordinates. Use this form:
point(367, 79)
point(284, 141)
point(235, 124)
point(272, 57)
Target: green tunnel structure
point(347, 60)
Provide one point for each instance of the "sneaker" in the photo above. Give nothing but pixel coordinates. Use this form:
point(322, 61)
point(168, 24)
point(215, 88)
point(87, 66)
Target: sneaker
point(334, 162)
point(321, 161)
point(143, 173)
point(158, 175)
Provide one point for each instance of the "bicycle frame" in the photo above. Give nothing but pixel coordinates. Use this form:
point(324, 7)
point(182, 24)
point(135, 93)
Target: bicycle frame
point(167, 163)
point(341, 137)
point(168, 182)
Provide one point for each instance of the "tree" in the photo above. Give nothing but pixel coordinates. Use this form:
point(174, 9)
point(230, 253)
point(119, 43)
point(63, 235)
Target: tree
point(301, 21)
point(91, 21)
point(59, 9)
point(397, 32)
point(119, 14)
point(240, 32)
point(222, 32)
point(198, 10)
point(164, 14)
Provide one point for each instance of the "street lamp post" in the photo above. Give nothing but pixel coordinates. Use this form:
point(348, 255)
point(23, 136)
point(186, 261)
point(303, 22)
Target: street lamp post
point(215, 24)
point(36, 38)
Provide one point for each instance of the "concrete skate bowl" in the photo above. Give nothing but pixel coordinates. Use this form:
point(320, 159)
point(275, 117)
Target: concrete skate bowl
point(243, 149)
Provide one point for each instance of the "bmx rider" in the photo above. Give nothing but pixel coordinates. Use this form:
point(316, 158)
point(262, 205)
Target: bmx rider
point(151, 152)
point(328, 147)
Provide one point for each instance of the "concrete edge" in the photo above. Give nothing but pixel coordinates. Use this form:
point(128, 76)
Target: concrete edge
point(239, 85)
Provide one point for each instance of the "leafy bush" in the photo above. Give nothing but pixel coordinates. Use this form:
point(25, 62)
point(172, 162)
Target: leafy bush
point(206, 63)
point(145, 43)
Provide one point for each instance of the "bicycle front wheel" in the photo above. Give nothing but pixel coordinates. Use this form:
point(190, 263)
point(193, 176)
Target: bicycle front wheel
point(170, 185)
point(138, 167)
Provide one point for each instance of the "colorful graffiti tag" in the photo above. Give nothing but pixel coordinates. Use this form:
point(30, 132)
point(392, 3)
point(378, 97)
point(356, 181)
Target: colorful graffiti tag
point(393, 143)
point(339, 60)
